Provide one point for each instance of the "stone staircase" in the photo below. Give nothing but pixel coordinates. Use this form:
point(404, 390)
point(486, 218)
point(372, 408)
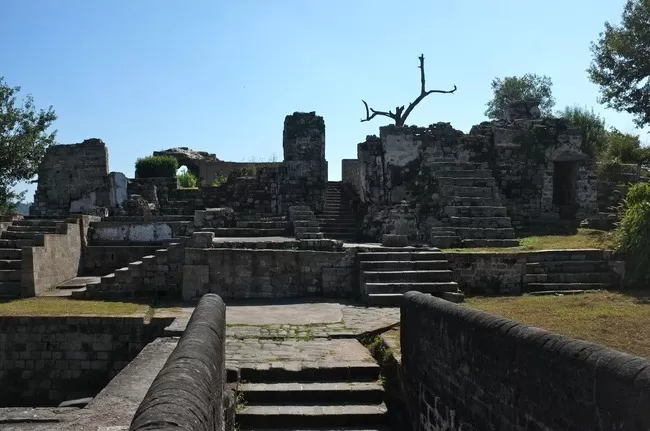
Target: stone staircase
point(474, 214)
point(305, 225)
point(386, 273)
point(564, 270)
point(253, 226)
point(339, 396)
point(21, 233)
point(337, 221)
point(147, 276)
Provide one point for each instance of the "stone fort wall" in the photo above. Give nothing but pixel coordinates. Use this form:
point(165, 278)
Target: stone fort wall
point(47, 360)
point(470, 370)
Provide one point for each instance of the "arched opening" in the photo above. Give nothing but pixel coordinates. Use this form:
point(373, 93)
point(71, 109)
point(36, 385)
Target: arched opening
point(187, 179)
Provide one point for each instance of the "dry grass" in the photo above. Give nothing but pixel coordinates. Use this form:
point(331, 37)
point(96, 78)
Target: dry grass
point(69, 307)
point(612, 319)
point(584, 238)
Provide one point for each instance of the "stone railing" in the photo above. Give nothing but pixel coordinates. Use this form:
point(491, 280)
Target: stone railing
point(188, 393)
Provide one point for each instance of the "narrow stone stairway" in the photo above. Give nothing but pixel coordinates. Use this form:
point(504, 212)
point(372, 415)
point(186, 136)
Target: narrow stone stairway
point(337, 221)
point(568, 270)
point(386, 273)
point(21, 233)
point(321, 396)
point(474, 214)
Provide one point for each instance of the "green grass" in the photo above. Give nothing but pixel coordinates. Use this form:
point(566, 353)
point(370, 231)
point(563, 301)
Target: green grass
point(69, 307)
point(584, 238)
point(614, 319)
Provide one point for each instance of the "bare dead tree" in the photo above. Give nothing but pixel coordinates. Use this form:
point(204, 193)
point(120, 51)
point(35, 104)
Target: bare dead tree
point(400, 115)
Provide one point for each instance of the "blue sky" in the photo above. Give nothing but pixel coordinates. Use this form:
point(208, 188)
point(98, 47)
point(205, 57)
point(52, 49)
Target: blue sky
point(220, 76)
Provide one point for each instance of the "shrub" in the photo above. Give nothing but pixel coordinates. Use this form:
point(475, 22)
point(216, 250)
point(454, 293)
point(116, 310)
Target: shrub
point(611, 169)
point(219, 181)
point(634, 232)
point(638, 193)
point(187, 180)
point(156, 166)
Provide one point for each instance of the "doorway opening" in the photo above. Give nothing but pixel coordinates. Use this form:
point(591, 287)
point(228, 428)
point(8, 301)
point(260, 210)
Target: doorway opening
point(564, 188)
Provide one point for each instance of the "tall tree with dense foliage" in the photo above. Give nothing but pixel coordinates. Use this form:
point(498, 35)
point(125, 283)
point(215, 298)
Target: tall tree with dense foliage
point(24, 137)
point(591, 127)
point(512, 88)
point(621, 62)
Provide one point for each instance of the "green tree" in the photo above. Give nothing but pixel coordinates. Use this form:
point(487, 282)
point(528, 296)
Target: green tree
point(622, 147)
point(512, 88)
point(621, 62)
point(24, 138)
point(591, 127)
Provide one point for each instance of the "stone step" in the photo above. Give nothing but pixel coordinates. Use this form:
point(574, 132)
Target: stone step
point(467, 181)
point(484, 233)
point(566, 255)
point(443, 231)
point(16, 243)
point(310, 235)
point(567, 277)
point(395, 288)
point(400, 255)
point(10, 275)
point(108, 279)
point(19, 235)
point(306, 229)
point(261, 224)
point(476, 211)
point(38, 229)
point(36, 222)
point(567, 266)
point(469, 201)
point(445, 241)
point(405, 276)
point(541, 287)
point(246, 232)
point(11, 253)
point(334, 372)
point(122, 275)
point(286, 417)
point(463, 191)
point(403, 265)
point(6, 264)
point(489, 242)
point(481, 222)
point(329, 221)
point(318, 392)
point(306, 223)
point(455, 165)
point(466, 173)
point(10, 289)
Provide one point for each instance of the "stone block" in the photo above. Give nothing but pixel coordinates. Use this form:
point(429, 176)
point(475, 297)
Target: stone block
point(201, 240)
point(389, 240)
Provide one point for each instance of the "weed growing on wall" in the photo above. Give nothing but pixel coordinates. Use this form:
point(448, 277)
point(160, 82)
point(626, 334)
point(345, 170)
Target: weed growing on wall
point(156, 166)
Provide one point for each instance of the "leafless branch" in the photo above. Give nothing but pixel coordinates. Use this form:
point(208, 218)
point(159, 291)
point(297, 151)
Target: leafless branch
point(400, 114)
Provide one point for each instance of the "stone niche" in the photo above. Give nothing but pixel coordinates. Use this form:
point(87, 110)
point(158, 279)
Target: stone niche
point(75, 179)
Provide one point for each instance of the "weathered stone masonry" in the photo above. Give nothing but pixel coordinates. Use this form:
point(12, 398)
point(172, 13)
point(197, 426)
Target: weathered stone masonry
point(470, 370)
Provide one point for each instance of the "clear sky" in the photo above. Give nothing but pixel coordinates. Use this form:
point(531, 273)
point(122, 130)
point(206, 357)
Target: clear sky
point(220, 76)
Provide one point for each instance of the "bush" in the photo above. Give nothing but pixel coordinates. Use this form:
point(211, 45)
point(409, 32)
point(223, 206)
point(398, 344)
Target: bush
point(156, 166)
point(634, 232)
point(612, 169)
point(188, 180)
point(638, 193)
point(219, 181)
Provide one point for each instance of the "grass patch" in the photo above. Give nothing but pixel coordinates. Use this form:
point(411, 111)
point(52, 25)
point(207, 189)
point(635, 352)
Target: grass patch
point(69, 307)
point(617, 320)
point(584, 238)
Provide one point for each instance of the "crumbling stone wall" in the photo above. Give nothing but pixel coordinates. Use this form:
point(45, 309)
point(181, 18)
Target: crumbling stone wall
point(47, 360)
point(72, 178)
point(350, 174)
point(523, 157)
point(470, 370)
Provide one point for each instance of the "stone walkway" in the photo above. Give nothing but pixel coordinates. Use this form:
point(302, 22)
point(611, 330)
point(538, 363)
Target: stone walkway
point(298, 320)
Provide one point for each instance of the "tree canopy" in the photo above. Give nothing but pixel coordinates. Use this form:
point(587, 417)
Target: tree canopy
point(621, 63)
point(512, 88)
point(24, 137)
point(591, 127)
